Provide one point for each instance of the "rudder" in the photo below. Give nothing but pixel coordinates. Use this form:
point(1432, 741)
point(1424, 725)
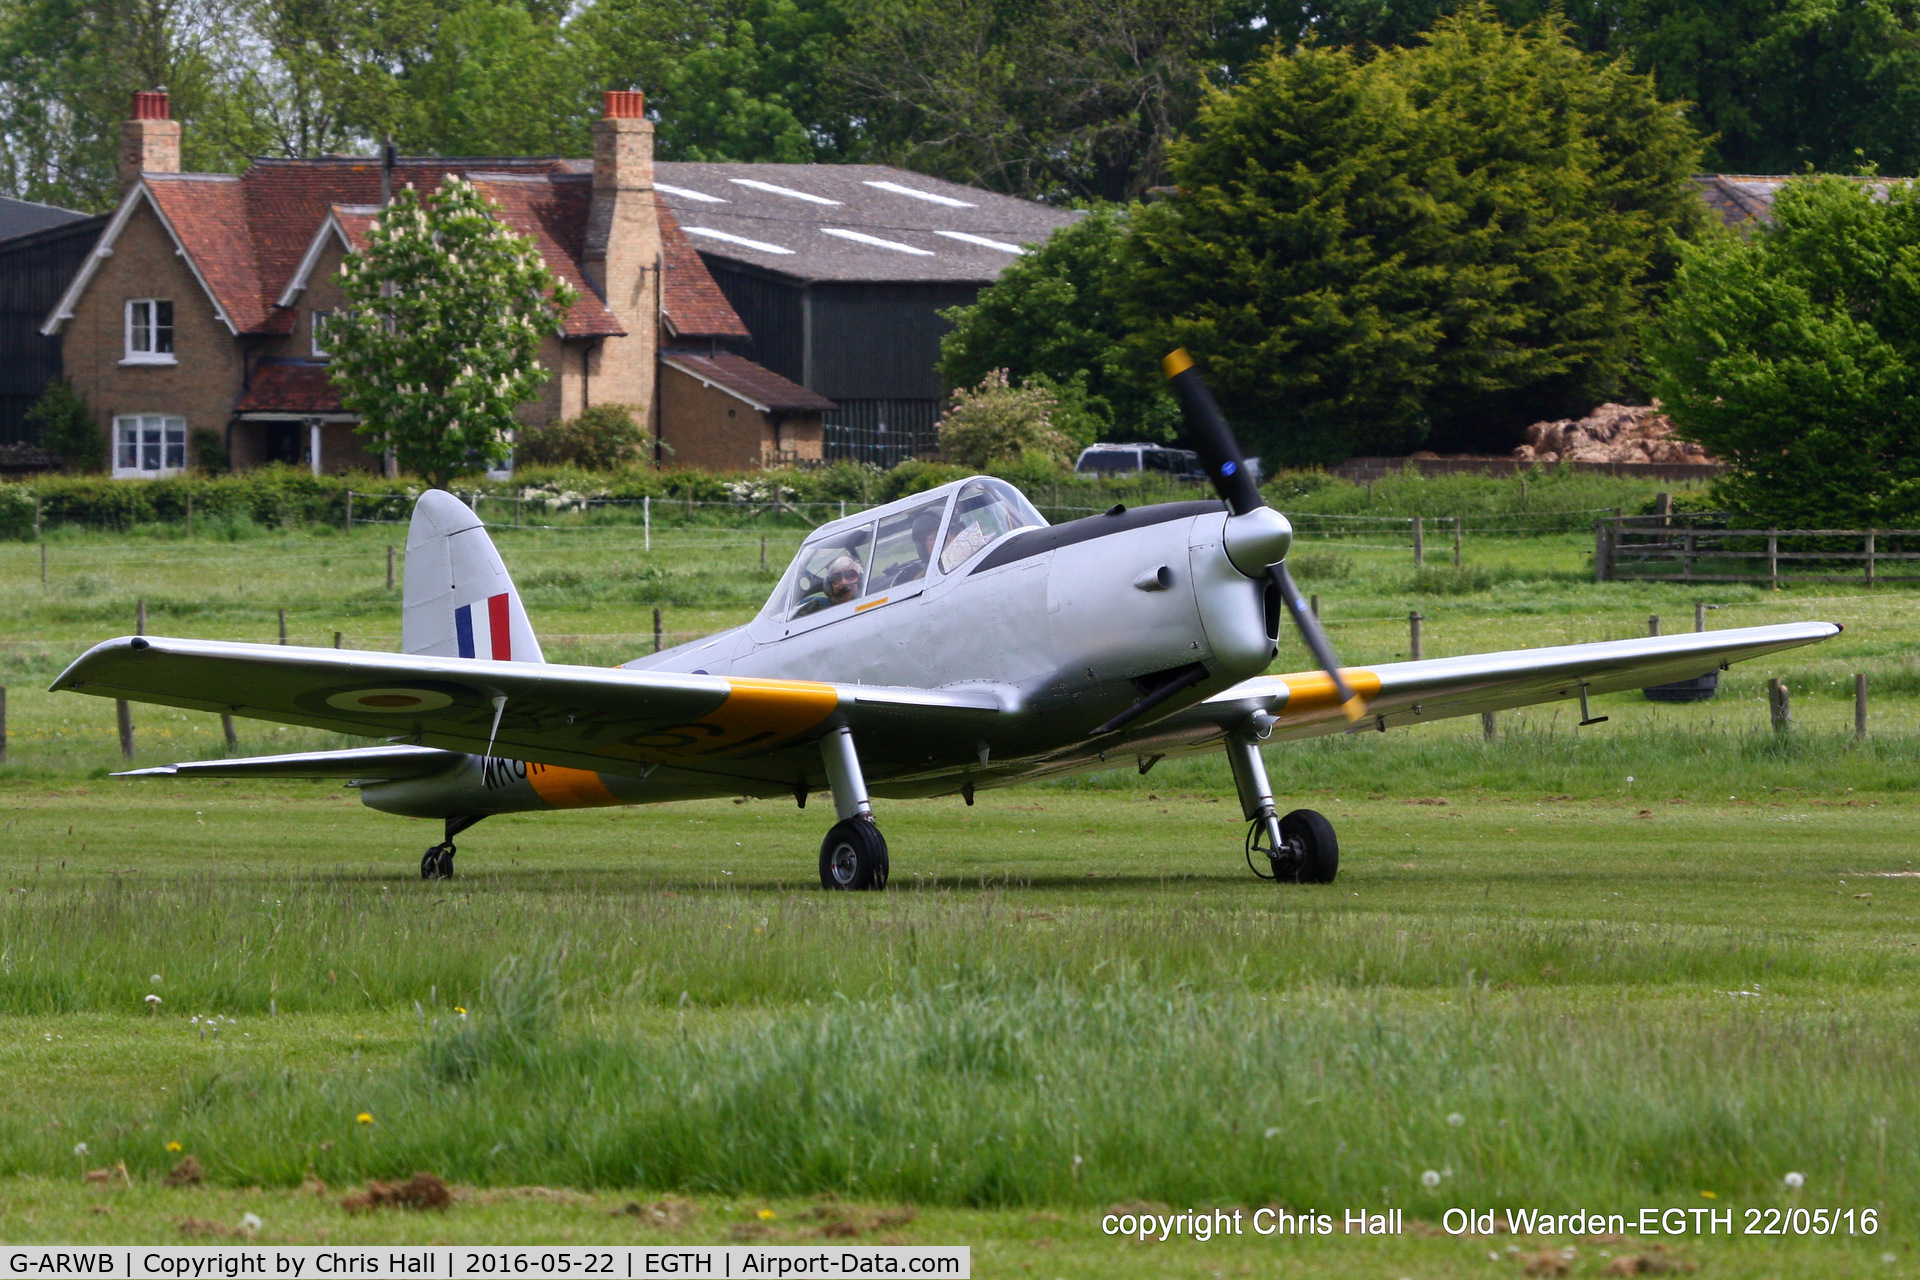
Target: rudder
point(457, 600)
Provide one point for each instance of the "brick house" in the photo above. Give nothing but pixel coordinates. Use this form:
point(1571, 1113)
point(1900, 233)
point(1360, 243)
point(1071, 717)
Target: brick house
point(203, 304)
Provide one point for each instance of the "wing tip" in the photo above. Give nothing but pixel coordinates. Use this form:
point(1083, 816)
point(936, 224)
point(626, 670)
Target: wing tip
point(157, 771)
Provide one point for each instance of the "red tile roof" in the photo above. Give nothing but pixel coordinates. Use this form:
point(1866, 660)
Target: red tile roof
point(289, 388)
point(692, 302)
point(553, 210)
point(747, 380)
point(246, 235)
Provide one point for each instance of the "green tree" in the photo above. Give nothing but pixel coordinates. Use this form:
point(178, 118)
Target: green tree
point(439, 343)
point(1054, 316)
point(1432, 247)
point(748, 80)
point(67, 428)
point(995, 423)
point(1794, 354)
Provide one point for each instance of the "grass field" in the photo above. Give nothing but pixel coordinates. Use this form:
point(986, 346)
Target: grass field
point(1660, 962)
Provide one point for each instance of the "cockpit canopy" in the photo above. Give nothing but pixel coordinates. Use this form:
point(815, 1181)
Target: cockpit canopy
point(899, 547)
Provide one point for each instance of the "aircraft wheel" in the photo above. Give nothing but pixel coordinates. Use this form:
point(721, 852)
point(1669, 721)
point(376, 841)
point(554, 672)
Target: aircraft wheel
point(437, 863)
point(1312, 851)
point(854, 856)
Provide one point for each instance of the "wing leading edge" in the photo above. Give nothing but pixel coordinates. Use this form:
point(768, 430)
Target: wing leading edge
point(1402, 693)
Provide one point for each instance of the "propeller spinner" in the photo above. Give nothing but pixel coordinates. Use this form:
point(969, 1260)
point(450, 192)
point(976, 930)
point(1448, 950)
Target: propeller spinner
point(1257, 537)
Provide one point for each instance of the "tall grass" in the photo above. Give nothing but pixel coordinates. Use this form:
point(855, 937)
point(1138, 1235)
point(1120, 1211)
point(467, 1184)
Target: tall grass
point(1000, 1088)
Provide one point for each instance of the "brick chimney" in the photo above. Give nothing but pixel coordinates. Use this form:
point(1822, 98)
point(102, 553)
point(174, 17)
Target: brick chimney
point(150, 141)
point(623, 251)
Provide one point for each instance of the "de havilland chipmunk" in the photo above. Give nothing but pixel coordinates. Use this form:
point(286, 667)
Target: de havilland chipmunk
point(947, 642)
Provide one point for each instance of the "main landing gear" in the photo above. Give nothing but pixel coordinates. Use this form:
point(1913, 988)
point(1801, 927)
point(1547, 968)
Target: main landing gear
point(854, 854)
point(437, 862)
point(1299, 848)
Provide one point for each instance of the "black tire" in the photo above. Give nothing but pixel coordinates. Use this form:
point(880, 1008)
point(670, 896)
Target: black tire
point(437, 863)
point(853, 856)
point(1313, 849)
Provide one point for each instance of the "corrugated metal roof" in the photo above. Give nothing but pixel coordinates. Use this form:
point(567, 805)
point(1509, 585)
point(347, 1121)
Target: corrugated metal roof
point(854, 222)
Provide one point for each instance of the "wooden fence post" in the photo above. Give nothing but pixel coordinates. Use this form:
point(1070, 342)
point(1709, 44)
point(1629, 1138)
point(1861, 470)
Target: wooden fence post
point(1313, 604)
point(3, 724)
point(1653, 624)
point(43, 564)
point(189, 513)
point(1413, 635)
point(1859, 704)
point(1456, 542)
point(36, 517)
point(1599, 550)
point(1663, 507)
point(646, 522)
point(349, 511)
point(283, 626)
point(656, 629)
point(1779, 705)
point(763, 554)
point(336, 640)
point(389, 566)
point(1489, 725)
point(1870, 556)
point(124, 714)
point(1699, 615)
point(1773, 559)
point(1419, 542)
point(1690, 551)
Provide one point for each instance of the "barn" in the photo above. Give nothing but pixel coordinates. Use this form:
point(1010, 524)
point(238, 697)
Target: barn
point(41, 247)
point(840, 273)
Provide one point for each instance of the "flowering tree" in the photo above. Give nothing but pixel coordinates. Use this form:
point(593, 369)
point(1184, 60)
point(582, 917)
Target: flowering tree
point(439, 341)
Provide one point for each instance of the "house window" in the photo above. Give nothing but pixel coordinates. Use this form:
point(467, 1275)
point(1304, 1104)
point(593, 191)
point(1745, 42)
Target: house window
point(149, 331)
point(147, 445)
point(317, 323)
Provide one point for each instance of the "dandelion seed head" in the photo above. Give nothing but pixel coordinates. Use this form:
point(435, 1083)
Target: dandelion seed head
point(1795, 1180)
point(250, 1222)
point(1456, 1119)
point(79, 1148)
point(1430, 1179)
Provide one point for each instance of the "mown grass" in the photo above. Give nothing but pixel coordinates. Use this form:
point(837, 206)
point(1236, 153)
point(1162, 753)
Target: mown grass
point(1558, 929)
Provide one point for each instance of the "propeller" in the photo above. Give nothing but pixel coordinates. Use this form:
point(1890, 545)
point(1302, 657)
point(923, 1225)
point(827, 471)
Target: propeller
point(1257, 537)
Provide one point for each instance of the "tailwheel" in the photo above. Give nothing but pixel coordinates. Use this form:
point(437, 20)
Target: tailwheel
point(437, 862)
point(854, 856)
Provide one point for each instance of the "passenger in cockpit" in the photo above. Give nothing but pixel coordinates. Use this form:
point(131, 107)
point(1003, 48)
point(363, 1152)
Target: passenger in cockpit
point(926, 527)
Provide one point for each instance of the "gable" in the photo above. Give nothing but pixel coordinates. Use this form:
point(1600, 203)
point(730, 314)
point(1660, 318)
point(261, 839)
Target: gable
point(137, 199)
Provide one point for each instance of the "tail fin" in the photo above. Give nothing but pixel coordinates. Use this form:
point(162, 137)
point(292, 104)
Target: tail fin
point(458, 601)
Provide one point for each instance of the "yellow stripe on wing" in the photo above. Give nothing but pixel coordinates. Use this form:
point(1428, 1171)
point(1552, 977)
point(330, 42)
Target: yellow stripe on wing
point(1312, 691)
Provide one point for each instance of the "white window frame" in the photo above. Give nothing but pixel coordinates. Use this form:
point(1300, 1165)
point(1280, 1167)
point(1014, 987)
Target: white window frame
point(147, 446)
point(147, 334)
point(315, 318)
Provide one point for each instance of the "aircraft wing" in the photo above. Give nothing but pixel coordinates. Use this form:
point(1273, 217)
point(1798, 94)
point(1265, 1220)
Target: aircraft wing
point(612, 720)
point(1403, 693)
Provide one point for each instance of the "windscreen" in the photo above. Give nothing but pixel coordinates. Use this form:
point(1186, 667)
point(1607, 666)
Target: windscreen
point(984, 510)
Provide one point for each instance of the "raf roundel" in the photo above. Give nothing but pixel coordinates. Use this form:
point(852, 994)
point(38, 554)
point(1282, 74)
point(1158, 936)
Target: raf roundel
point(390, 701)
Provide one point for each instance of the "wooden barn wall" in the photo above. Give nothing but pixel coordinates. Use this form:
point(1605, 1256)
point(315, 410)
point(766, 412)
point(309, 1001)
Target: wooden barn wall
point(881, 341)
point(35, 270)
point(773, 311)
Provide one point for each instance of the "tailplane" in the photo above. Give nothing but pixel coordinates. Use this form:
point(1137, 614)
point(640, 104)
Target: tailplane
point(458, 601)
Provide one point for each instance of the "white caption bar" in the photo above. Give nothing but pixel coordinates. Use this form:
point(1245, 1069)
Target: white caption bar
point(369, 1262)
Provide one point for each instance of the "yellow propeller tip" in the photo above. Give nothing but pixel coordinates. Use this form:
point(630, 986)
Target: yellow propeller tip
point(1355, 707)
point(1176, 362)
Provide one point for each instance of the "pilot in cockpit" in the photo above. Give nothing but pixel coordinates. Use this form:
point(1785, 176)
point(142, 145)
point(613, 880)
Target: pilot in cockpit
point(841, 584)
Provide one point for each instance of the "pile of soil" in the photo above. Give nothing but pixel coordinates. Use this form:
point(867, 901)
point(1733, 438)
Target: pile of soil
point(1611, 433)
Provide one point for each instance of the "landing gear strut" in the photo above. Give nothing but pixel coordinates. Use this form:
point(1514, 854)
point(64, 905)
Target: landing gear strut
point(1300, 848)
point(854, 854)
point(437, 862)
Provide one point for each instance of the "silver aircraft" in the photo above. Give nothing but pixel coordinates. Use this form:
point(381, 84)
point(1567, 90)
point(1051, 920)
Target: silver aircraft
point(944, 643)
